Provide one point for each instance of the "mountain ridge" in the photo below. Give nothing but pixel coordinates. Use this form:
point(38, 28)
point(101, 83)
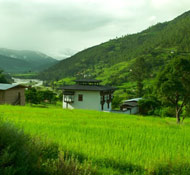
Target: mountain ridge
point(158, 39)
point(32, 60)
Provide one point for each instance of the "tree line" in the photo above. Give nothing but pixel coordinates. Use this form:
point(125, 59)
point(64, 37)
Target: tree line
point(34, 96)
point(170, 87)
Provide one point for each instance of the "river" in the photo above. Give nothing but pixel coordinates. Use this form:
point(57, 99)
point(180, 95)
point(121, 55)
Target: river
point(33, 82)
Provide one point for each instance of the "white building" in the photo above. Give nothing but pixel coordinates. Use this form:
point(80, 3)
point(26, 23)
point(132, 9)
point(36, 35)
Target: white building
point(88, 94)
point(131, 106)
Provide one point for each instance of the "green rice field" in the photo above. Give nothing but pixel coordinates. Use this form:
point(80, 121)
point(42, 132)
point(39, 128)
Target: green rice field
point(113, 143)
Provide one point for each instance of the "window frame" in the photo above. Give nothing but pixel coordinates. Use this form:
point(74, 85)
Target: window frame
point(80, 97)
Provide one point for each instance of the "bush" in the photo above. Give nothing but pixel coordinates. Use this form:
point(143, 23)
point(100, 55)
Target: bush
point(34, 96)
point(31, 96)
point(186, 112)
point(166, 112)
point(148, 106)
point(151, 106)
point(116, 102)
point(22, 155)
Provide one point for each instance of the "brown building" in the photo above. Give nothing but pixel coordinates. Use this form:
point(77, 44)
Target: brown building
point(12, 94)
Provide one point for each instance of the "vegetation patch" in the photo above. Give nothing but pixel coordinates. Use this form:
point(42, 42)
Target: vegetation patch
point(114, 143)
point(22, 155)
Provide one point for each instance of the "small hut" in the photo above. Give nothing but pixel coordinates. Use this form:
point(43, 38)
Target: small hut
point(130, 106)
point(12, 94)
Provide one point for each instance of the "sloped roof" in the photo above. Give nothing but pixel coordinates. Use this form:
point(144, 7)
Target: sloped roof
point(89, 88)
point(133, 100)
point(5, 87)
point(88, 80)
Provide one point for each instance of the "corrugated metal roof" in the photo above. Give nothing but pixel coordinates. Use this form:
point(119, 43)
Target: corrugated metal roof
point(4, 87)
point(134, 99)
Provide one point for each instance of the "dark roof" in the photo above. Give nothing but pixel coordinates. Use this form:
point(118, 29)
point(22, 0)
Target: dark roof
point(88, 81)
point(89, 88)
point(5, 87)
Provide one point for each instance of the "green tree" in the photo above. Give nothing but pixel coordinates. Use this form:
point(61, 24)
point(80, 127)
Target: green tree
point(172, 84)
point(50, 96)
point(31, 96)
point(116, 102)
point(46, 95)
point(148, 105)
point(2, 77)
point(138, 73)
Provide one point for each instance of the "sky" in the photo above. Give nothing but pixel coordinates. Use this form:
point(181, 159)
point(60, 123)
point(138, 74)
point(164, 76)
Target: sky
point(60, 28)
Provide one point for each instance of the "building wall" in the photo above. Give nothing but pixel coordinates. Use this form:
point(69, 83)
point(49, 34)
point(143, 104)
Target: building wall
point(11, 95)
point(134, 110)
point(91, 100)
point(2, 94)
point(106, 107)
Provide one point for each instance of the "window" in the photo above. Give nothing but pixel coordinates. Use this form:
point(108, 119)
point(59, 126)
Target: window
point(80, 97)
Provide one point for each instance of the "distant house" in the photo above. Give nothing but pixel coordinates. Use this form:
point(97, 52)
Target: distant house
point(88, 94)
point(12, 94)
point(130, 106)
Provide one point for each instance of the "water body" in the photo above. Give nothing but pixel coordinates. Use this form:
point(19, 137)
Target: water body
point(33, 82)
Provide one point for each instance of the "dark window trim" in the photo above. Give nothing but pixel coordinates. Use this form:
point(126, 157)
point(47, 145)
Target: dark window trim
point(80, 97)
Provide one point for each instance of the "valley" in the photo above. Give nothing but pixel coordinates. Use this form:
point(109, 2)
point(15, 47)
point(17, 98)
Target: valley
point(94, 87)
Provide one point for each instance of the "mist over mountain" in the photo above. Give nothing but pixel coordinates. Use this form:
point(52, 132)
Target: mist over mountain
point(63, 54)
point(16, 61)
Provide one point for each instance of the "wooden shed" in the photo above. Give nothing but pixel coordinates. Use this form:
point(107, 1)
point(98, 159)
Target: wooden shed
point(130, 106)
point(12, 94)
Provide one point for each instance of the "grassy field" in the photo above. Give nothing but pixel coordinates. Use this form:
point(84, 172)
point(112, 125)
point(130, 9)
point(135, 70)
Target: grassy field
point(114, 143)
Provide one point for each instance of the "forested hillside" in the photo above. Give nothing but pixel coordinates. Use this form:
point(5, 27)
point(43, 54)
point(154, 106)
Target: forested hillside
point(12, 61)
point(13, 65)
point(112, 61)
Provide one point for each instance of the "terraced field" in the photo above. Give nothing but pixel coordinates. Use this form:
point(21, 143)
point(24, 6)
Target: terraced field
point(114, 143)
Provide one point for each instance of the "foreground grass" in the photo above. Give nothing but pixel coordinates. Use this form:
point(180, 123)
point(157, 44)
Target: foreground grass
point(115, 143)
point(22, 155)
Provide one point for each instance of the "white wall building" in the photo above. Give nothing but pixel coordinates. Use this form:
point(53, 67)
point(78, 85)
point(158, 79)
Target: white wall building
point(88, 94)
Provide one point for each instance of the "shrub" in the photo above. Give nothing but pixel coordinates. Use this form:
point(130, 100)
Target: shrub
point(186, 112)
point(147, 106)
point(116, 102)
point(180, 167)
point(31, 96)
point(34, 96)
point(167, 112)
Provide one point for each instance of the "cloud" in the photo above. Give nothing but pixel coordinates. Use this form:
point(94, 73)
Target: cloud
point(56, 26)
point(80, 21)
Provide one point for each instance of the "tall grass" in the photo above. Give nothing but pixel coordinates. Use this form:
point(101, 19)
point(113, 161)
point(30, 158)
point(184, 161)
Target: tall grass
point(22, 155)
point(115, 143)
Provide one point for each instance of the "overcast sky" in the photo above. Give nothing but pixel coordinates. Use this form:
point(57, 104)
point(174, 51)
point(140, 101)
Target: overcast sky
point(63, 27)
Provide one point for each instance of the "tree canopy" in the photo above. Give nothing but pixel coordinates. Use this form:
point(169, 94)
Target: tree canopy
point(173, 84)
point(2, 77)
